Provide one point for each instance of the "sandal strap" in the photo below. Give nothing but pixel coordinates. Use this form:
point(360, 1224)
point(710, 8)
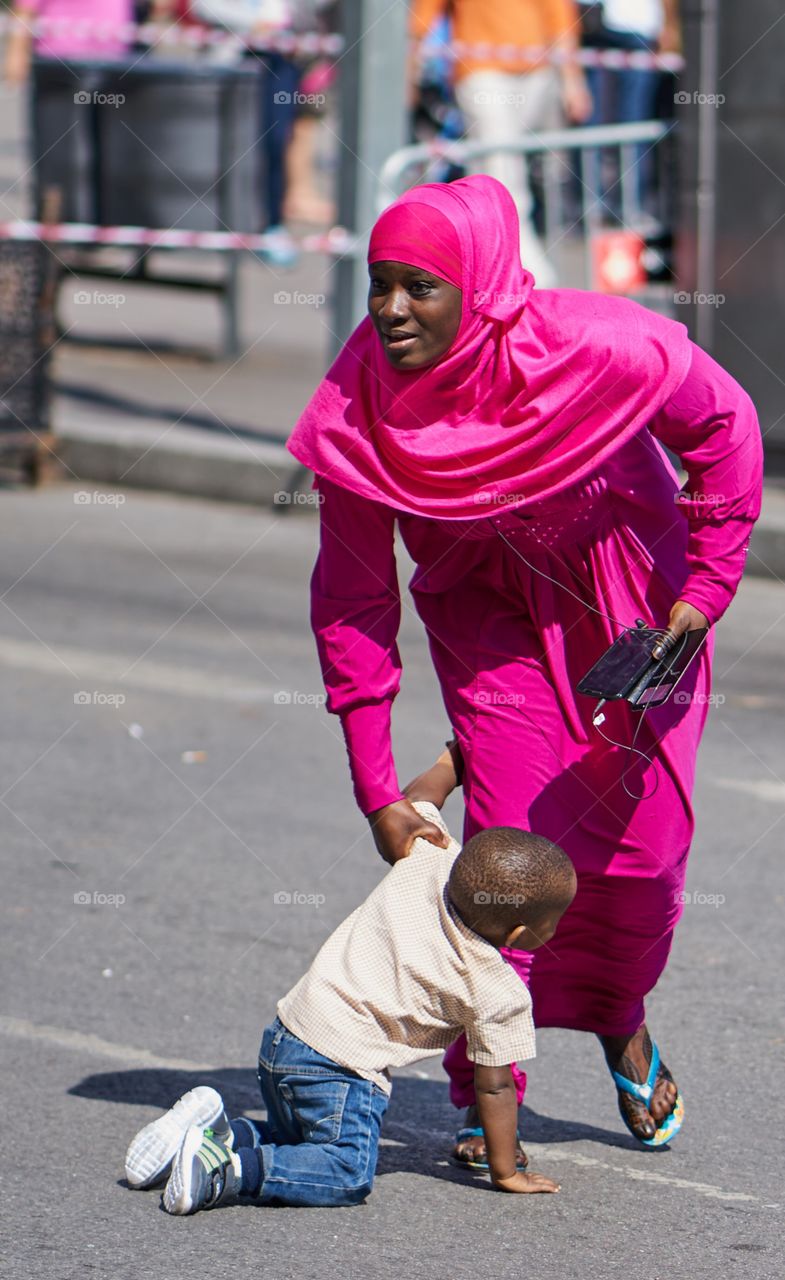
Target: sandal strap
point(479, 1132)
point(522, 1160)
point(643, 1092)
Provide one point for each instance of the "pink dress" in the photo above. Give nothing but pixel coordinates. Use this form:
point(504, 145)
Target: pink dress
point(509, 646)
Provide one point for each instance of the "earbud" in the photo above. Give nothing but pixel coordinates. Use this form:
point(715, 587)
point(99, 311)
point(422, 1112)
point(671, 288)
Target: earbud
point(597, 717)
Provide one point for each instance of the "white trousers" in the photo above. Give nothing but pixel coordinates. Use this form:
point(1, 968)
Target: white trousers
point(500, 107)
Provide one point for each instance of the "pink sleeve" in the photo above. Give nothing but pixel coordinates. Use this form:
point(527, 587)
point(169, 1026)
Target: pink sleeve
point(355, 614)
point(711, 423)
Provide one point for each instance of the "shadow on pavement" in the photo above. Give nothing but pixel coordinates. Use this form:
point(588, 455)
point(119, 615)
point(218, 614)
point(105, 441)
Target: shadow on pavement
point(155, 1087)
point(420, 1122)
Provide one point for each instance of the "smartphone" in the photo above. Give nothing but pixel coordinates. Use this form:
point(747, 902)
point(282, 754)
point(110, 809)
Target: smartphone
point(629, 670)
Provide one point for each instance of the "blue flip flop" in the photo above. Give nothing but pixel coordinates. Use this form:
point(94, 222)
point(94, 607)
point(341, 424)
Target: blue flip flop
point(463, 1134)
point(644, 1093)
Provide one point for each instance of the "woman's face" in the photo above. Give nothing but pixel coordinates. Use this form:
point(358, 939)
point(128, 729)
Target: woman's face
point(417, 315)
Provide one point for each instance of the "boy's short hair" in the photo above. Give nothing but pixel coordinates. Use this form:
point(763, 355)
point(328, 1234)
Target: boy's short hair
point(504, 877)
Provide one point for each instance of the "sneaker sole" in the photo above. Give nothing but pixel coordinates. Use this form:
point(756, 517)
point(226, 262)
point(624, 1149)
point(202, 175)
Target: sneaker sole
point(153, 1149)
point(178, 1192)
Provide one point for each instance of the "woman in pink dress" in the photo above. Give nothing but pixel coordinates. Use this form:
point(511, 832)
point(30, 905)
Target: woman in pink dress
point(515, 437)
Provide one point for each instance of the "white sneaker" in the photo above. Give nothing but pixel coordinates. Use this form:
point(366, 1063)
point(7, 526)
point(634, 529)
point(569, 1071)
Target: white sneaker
point(149, 1157)
point(204, 1173)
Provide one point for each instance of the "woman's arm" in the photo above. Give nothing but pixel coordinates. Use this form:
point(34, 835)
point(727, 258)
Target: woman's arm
point(19, 44)
point(564, 30)
point(670, 36)
point(355, 613)
point(710, 422)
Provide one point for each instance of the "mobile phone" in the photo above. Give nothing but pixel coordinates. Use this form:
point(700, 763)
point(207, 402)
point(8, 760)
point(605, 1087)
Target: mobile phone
point(621, 667)
point(629, 670)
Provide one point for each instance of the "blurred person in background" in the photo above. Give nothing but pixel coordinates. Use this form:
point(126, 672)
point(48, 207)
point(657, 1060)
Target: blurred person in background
point(434, 112)
point(283, 100)
point(304, 201)
point(506, 100)
point(628, 95)
point(65, 31)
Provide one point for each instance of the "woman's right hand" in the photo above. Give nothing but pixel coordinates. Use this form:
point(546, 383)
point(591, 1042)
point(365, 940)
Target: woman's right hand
point(395, 828)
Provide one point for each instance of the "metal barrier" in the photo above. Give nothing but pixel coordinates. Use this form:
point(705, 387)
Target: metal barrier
point(585, 181)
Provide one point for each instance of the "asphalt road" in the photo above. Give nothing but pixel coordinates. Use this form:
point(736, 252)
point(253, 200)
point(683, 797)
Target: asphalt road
point(132, 633)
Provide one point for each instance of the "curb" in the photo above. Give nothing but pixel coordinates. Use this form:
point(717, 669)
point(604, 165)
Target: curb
point(178, 460)
point(187, 461)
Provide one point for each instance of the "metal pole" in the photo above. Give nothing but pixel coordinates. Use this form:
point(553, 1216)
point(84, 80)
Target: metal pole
point(373, 124)
point(706, 248)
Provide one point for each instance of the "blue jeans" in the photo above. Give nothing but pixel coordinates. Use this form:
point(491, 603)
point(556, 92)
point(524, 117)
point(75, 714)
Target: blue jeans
point(320, 1142)
point(627, 96)
point(280, 79)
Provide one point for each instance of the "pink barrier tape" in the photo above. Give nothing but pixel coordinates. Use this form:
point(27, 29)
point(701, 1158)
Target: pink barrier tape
point(309, 44)
point(336, 241)
point(313, 44)
point(613, 59)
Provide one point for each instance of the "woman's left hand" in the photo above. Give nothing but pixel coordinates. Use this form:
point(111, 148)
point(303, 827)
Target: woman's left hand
point(683, 617)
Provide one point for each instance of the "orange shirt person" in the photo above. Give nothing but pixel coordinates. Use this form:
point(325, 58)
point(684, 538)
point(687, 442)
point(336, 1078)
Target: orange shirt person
point(553, 25)
point(512, 99)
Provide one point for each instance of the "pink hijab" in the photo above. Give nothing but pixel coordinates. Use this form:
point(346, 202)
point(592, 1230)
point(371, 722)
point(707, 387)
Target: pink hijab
point(537, 389)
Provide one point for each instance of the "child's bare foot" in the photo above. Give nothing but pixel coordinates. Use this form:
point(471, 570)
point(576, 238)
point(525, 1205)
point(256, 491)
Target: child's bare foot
point(526, 1183)
point(436, 783)
point(631, 1057)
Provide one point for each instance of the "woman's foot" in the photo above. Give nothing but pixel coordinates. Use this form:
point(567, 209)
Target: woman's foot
point(472, 1151)
point(631, 1057)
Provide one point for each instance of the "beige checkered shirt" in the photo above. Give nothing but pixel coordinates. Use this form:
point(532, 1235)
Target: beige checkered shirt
point(403, 976)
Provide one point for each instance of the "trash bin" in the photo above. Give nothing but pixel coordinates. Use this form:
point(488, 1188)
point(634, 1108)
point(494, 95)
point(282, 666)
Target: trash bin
point(149, 143)
point(25, 334)
point(26, 340)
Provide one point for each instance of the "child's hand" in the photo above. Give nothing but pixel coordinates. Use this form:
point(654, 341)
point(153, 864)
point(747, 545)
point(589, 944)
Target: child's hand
point(437, 782)
point(526, 1183)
